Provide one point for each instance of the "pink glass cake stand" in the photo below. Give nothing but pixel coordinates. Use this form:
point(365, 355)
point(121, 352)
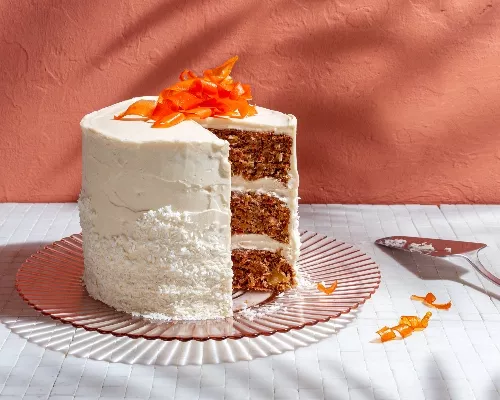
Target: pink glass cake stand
point(51, 282)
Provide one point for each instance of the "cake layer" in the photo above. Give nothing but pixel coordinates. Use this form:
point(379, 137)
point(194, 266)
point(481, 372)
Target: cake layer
point(155, 216)
point(256, 155)
point(262, 270)
point(256, 213)
point(263, 159)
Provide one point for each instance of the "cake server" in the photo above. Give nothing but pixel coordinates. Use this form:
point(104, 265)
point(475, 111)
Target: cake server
point(441, 248)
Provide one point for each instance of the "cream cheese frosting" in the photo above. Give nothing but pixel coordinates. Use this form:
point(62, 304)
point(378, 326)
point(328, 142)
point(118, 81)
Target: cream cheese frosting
point(155, 211)
point(263, 242)
point(264, 121)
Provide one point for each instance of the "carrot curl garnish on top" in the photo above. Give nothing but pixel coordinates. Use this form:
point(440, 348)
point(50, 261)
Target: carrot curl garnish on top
point(327, 290)
point(429, 300)
point(141, 108)
point(215, 94)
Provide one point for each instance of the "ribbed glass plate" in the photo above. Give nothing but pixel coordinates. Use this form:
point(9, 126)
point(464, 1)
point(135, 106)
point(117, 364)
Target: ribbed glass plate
point(50, 281)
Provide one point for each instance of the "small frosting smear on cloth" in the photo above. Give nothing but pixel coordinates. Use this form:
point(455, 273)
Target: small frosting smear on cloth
point(327, 290)
point(407, 325)
point(429, 300)
point(215, 94)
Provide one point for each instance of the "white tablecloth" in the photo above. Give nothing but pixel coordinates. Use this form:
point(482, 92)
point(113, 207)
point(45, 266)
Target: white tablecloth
point(457, 356)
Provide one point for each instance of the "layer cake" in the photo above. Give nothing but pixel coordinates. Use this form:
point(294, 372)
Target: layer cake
point(174, 219)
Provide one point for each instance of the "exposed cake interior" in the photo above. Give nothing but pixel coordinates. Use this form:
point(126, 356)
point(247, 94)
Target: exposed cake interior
point(264, 184)
point(261, 214)
point(256, 155)
point(261, 270)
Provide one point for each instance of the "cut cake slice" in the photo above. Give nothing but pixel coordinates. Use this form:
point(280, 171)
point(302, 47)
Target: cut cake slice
point(265, 238)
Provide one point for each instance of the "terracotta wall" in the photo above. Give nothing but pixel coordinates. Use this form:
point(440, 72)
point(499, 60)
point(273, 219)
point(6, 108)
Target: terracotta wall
point(397, 101)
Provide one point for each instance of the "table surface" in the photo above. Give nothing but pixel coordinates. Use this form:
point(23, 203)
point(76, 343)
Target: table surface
point(457, 356)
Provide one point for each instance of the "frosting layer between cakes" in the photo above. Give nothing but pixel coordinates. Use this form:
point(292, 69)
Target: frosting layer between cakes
point(155, 216)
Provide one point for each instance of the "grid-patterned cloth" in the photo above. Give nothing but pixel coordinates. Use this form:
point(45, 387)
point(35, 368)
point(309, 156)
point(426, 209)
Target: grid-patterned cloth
point(457, 356)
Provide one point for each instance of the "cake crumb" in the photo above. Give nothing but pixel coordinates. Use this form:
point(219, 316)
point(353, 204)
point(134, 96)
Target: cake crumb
point(259, 312)
point(304, 281)
point(396, 243)
point(421, 248)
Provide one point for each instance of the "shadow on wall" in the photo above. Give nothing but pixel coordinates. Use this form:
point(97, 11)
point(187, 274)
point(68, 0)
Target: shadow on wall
point(154, 16)
point(360, 123)
point(386, 94)
point(38, 142)
point(354, 114)
point(192, 49)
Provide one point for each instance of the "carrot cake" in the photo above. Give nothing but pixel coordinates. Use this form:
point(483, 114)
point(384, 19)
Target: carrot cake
point(187, 196)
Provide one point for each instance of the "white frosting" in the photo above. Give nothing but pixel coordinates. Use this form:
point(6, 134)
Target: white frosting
point(173, 261)
point(262, 185)
point(263, 242)
point(170, 265)
point(421, 247)
point(130, 168)
point(264, 121)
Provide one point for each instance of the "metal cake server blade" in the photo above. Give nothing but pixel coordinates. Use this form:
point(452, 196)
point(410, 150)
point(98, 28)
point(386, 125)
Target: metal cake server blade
point(441, 248)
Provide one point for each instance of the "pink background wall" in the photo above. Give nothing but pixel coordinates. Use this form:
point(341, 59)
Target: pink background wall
point(397, 101)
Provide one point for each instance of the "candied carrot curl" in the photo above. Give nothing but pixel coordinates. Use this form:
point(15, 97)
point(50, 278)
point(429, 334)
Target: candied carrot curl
point(407, 325)
point(142, 108)
point(386, 334)
point(429, 300)
point(411, 321)
point(425, 320)
point(404, 330)
point(328, 290)
point(169, 120)
point(215, 94)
